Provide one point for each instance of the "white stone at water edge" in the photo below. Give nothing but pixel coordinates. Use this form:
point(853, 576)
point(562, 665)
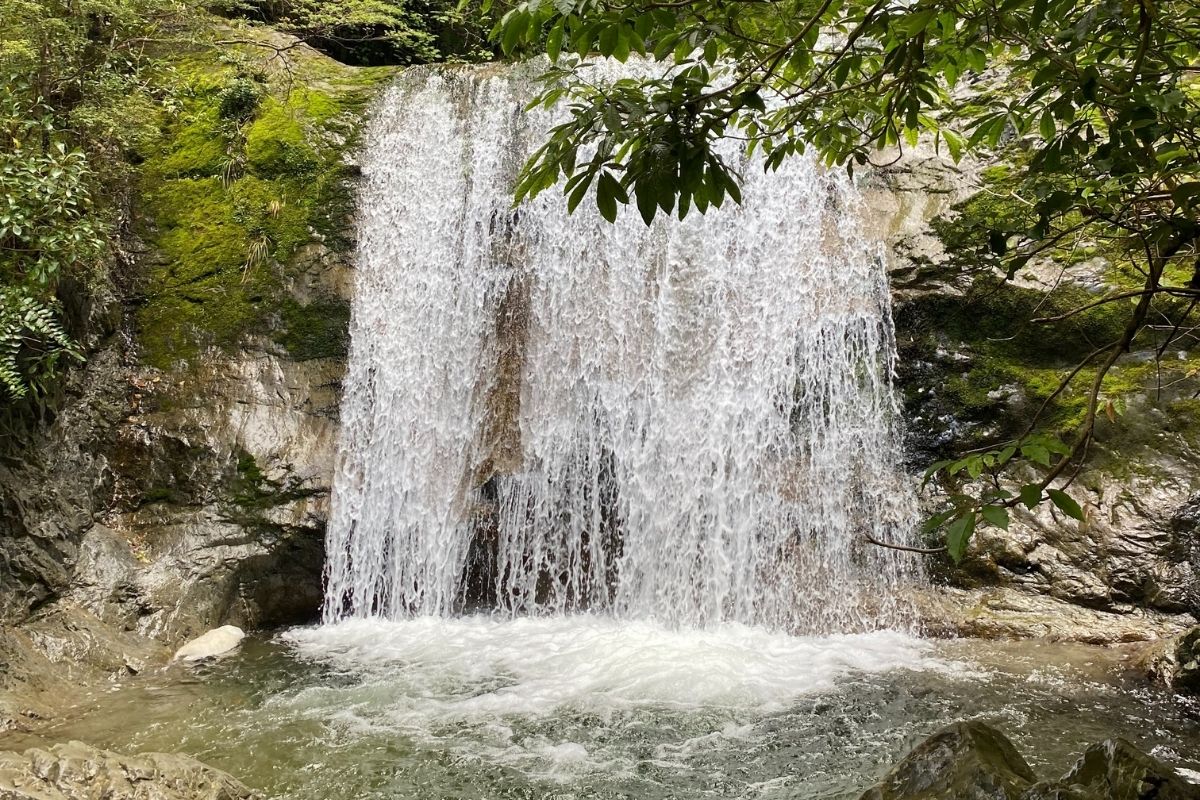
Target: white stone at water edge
point(216, 642)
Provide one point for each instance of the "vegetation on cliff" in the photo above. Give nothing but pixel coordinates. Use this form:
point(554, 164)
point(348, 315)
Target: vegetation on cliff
point(251, 170)
point(184, 163)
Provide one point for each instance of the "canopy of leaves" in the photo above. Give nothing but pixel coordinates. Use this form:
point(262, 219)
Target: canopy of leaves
point(376, 32)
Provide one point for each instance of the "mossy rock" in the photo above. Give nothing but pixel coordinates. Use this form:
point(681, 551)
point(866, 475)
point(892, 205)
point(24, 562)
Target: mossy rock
point(320, 329)
point(197, 149)
point(230, 195)
point(277, 144)
point(1116, 770)
point(964, 761)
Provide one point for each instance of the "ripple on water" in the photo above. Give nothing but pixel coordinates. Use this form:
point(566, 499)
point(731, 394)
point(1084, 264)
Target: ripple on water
point(587, 707)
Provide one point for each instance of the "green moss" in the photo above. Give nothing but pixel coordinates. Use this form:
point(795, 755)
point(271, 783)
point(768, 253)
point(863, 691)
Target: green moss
point(205, 291)
point(197, 148)
point(248, 488)
point(230, 201)
point(160, 494)
point(276, 142)
point(318, 330)
point(1013, 365)
point(1183, 416)
point(249, 492)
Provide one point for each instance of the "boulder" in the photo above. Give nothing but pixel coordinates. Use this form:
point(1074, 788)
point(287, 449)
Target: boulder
point(1116, 770)
point(965, 761)
point(1175, 662)
point(973, 761)
point(216, 642)
point(75, 770)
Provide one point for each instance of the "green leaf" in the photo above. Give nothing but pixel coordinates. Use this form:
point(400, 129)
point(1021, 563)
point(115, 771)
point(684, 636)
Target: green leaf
point(1047, 127)
point(974, 467)
point(1031, 494)
point(996, 515)
point(608, 40)
point(606, 196)
point(647, 203)
point(1065, 503)
point(555, 39)
point(1186, 195)
point(513, 25)
point(934, 469)
point(1036, 452)
point(959, 534)
point(934, 522)
point(577, 194)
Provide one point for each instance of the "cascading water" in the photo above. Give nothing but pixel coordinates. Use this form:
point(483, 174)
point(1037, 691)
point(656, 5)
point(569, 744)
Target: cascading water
point(690, 422)
point(688, 428)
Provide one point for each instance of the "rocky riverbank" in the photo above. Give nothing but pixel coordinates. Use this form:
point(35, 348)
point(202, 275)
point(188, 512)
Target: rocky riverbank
point(973, 761)
point(183, 482)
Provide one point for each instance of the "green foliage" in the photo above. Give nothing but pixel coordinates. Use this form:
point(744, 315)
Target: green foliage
point(73, 112)
point(240, 99)
point(47, 230)
point(45, 196)
point(990, 501)
point(378, 32)
point(31, 342)
point(1097, 90)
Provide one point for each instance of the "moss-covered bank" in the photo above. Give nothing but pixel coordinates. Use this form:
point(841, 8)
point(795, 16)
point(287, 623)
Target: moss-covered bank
point(252, 166)
point(984, 354)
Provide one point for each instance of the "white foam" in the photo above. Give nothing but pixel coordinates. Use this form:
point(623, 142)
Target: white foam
point(481, 668)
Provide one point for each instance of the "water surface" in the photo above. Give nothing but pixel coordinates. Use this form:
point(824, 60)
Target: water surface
point(584, 707)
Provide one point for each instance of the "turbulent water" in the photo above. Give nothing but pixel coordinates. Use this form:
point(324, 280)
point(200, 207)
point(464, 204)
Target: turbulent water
point(691, 422)
point(586, 706)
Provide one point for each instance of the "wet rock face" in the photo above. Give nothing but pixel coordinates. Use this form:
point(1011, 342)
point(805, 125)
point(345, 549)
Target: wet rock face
point(223, 493)
point(157, 506)
point(972, 372)
point(196, 500)
point(51, 486)
point(1135, 549)
point(1175, 662)
point(965, 761)
point(75, 770)
point(1116, 770)
point(1010, 613)
point(973, 761)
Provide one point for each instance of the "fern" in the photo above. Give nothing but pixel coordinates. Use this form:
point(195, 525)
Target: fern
point(31, 341)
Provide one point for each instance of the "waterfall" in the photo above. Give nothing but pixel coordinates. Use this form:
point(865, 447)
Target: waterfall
point(691, 422)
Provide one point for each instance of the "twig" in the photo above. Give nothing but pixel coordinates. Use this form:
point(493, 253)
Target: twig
point(903, 547)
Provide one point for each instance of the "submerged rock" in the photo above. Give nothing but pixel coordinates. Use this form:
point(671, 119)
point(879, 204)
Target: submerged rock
point(973, 761)
point(1054, 790)
point(965, 761)
point(216, 642)
point(1116, 770)
point(76, 770)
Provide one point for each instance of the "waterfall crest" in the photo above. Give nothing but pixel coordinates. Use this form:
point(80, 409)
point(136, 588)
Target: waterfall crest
point(544, 413)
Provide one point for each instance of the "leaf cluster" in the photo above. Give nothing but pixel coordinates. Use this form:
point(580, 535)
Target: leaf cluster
point(377, 32)
point(74, 89)
point(988, 501)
